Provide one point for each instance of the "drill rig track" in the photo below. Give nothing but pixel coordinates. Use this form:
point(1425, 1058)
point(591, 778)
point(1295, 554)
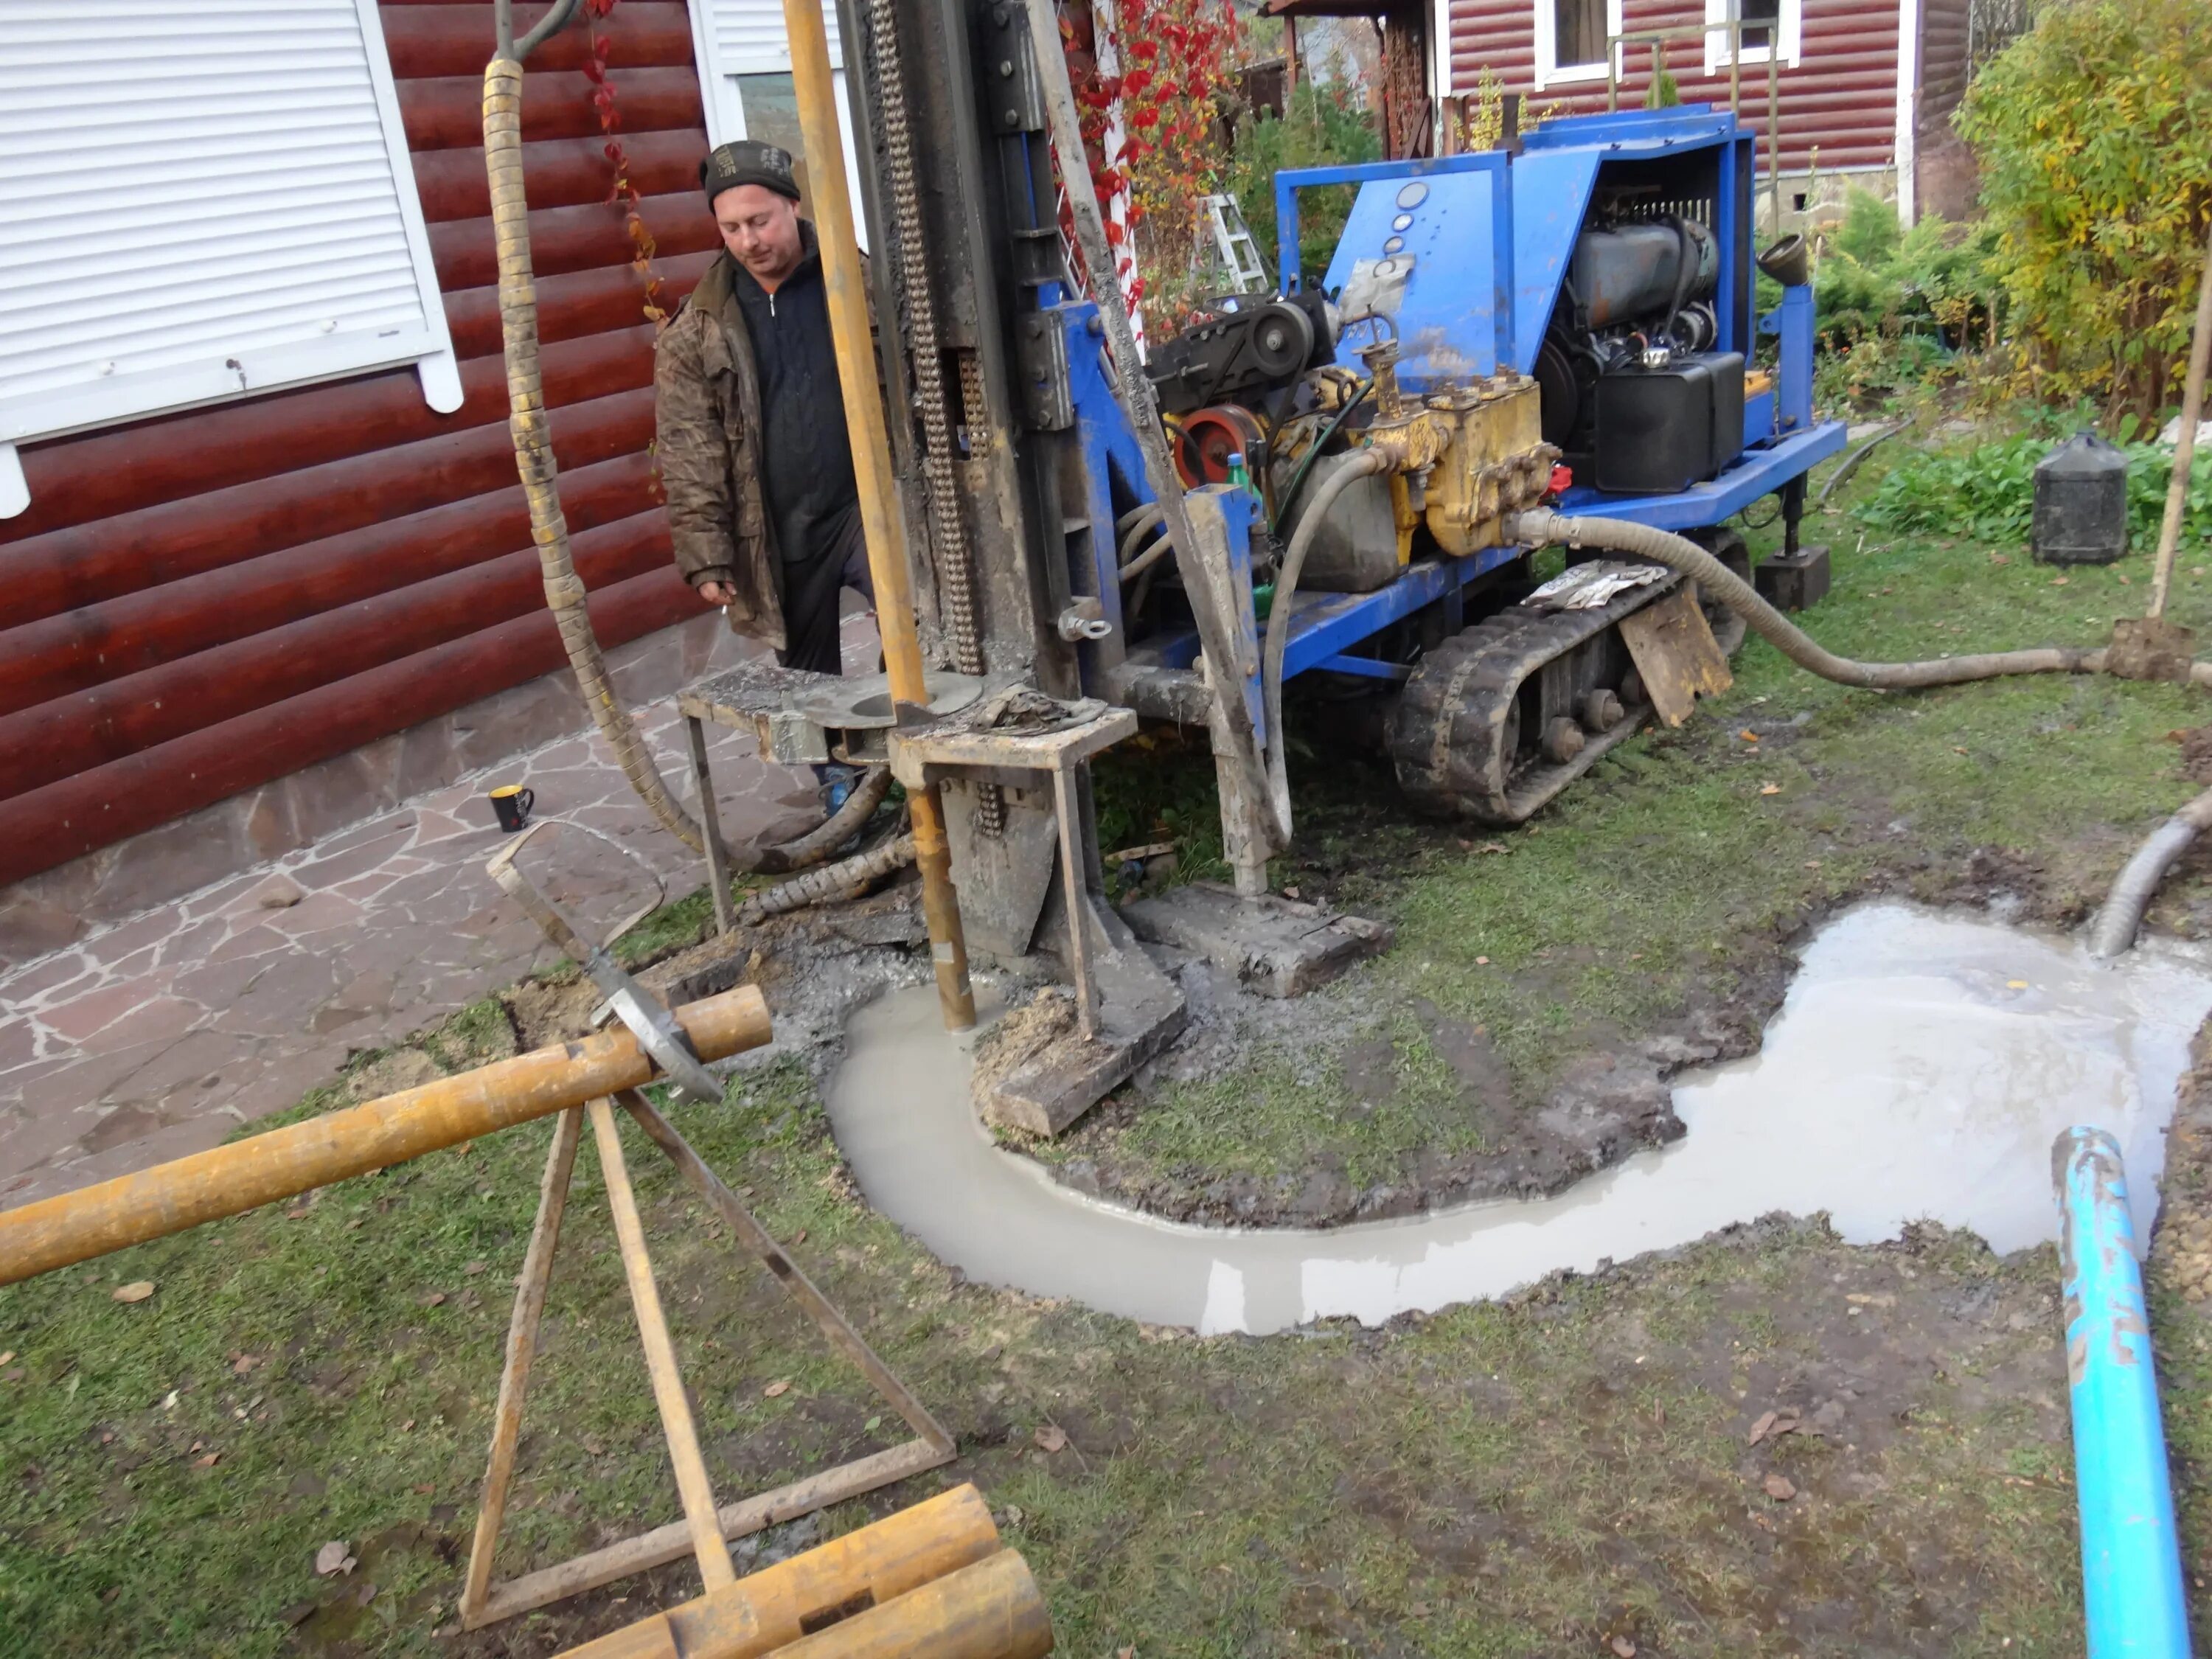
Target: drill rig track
point(1467, 732)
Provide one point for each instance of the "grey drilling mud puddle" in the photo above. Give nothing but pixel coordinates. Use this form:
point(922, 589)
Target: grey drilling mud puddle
point(1918, 1070)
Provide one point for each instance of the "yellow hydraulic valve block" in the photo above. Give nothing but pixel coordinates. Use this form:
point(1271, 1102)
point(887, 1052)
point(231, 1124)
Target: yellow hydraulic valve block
point(1495, 460)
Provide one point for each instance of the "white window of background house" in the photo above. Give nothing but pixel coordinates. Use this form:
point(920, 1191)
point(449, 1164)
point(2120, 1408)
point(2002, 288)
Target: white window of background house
point(198, 203)
point(1570, 39)
point(1764, 22)
point(745, 60)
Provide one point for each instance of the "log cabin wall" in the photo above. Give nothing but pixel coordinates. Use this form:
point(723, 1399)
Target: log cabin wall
point(1839, 101)
point(1945, 180)
point(198, 603)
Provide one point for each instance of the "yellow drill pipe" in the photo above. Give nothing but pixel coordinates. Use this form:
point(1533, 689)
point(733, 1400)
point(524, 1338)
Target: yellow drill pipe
point(776, 1606)
point(54, 1232)
point(880, 520)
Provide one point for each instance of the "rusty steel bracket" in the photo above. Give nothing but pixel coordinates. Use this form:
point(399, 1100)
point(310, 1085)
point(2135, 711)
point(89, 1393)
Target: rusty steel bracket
point(646, 1015)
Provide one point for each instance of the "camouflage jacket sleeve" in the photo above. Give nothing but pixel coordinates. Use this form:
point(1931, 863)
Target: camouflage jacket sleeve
point(692, 446)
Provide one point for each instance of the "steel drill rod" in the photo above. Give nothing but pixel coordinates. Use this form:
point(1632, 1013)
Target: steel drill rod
point(774, 1608)
point(54, 1232)
point(881, 522)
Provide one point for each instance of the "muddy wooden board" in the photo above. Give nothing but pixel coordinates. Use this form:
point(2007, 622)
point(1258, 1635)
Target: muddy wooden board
point(1675, 652)
point(1275, 946)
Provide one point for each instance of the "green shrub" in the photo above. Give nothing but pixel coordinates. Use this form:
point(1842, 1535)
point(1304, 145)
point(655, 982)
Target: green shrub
point(1875, 278)
point(1325, 125)
point(1894, 304)
point(2094, 132)
point(1989, 492)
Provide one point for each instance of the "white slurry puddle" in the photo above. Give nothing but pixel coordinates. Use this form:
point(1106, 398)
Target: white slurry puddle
point(1918, 1070)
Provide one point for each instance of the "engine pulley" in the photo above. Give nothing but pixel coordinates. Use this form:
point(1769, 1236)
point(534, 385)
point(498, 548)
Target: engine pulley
point(1210, 436)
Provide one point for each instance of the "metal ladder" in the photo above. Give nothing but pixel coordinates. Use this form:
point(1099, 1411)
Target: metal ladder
point(1240, 253)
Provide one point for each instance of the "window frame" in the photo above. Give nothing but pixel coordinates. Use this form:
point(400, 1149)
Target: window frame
point(1789, 30)
point(1549, 71)
point(429, 350)
point(723, 99)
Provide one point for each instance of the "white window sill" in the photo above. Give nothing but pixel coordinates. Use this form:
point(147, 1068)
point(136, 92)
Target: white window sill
point(1568, 73)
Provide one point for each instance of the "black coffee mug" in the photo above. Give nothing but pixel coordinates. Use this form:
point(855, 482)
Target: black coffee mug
point(512, 804)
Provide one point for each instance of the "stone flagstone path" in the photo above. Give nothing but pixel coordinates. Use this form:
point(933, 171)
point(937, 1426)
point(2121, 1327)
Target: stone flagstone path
point(160, 1035)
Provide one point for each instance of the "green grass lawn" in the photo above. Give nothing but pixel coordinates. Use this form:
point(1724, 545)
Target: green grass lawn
point(1663, 880)
point(1537, 1477)
point(1523, 1479)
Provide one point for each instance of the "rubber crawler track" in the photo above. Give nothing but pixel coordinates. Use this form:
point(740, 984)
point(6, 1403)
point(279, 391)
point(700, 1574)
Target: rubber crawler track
point(1448, 732)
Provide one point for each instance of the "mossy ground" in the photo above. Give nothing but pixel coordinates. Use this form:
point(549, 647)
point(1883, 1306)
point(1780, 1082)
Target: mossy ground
point(1540, 1476)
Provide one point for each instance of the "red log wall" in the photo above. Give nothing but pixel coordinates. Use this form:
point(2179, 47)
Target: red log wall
point(1841, 99)
point(198, 604)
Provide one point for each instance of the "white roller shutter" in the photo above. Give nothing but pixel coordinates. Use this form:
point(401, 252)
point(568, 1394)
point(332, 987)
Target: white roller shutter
point(743, 51)
point(750, 39)
point(198, 201)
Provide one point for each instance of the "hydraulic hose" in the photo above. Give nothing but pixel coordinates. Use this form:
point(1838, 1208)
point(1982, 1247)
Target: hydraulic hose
point(1716, 580)
point(2121, 914)
point(1139, 525)
point(1364, 464)
point(1313, 453)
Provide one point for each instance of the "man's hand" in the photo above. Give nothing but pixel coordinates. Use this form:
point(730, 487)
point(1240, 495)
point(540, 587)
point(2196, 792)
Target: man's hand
point(717, 592)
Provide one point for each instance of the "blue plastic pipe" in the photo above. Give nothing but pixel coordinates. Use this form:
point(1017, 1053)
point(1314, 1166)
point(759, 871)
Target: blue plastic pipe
point(2130, 1562)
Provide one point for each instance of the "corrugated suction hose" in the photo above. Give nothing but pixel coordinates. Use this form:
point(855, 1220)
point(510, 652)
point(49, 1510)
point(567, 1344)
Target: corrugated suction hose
point(1716, 580)
point(2122, 914)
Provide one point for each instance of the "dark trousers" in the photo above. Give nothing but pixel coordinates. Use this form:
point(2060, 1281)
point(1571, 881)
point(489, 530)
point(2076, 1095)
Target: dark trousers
point(811, 588)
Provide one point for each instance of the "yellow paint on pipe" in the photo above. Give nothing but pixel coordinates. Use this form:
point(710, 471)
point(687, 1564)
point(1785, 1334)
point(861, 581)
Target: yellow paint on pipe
point(875, 1565)
point(880, 520)
point(992, 1610)
point(54, 1232)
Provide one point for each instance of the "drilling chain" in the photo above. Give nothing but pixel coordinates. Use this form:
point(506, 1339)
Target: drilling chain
point(956, 576)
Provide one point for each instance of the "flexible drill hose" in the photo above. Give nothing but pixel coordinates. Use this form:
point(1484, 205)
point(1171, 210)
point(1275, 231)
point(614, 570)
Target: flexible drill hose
point(1365, 465)
point(2123, 910)
point(830, 881)
point(1716, 580)
point(2121, 914)
point(840, 827)
point(533, 449)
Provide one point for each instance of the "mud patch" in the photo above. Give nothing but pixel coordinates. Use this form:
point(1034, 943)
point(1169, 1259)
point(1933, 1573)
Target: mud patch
point(1919, 1071)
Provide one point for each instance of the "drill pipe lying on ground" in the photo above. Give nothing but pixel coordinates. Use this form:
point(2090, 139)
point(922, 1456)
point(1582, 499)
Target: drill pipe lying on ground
point(930, 1579)
point(2131, 1592)
point(54, 1232)
point(2130, 894)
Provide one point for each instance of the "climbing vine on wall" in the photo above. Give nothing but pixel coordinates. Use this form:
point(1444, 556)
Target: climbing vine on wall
point(1174, 59)
point(623, 193)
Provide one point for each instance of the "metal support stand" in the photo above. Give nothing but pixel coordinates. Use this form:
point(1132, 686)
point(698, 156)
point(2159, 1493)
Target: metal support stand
point(710, 826)
point(1127, 1010)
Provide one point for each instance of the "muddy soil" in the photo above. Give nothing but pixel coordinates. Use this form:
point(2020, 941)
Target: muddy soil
point(1613, 1096)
